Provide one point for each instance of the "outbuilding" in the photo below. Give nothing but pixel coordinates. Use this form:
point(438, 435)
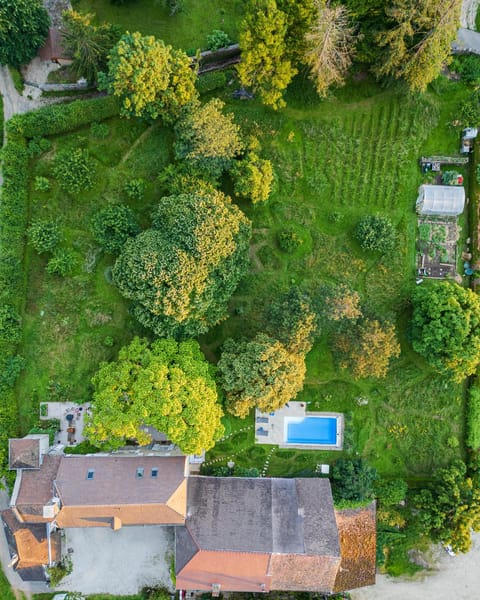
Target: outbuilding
point(441, 200)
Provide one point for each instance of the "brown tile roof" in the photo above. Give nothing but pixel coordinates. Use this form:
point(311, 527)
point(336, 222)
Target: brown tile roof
point(304, 573)
point(36, 489)
point(31, 542)
point(115, 481)
point(234, 571)
point(357, 529)
point(24, 453)
point(125, 514)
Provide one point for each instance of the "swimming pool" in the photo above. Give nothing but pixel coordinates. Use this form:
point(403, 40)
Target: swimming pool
point(313, 430)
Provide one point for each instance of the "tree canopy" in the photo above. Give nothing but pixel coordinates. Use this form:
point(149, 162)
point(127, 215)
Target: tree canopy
point(446, 328)
point(353, 480)
point(150, 78)
point(376, 233)
point(418, 39)
point(23, 30)
point(182, 273)
point(207, 138)
point(88, 44)
point(260, 373)
point(449, 508)
point(367, 348)
point(329, 46)
point(253, 178)
point(265, 66)
point(166, 385)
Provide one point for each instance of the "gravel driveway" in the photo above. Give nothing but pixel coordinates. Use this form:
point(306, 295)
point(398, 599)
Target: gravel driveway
point(118, 562)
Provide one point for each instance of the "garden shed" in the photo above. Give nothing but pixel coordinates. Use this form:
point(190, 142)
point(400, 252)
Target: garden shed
point(441, 200)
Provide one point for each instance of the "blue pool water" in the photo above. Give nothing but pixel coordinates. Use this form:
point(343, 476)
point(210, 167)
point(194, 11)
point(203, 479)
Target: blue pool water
point(312, 430)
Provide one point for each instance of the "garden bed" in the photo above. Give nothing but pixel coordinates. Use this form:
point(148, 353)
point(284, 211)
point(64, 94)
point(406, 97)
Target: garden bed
point(437, 247)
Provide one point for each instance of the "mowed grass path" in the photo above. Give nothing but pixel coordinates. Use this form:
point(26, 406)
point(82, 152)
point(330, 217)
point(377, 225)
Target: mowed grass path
point(335, 162)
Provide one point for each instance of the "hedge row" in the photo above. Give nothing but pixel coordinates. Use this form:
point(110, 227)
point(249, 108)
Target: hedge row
point(60, 118)
point(51, 120)
point(473, 417)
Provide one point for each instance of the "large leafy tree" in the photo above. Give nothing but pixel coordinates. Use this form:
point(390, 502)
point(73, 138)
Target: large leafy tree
point(418, 38)
point(166, 385)
point(265, 66)
point(291, 319)
point(207, 138)
point(329, 46)
point(253, 178)
point(446, 328)
point(23, 30)
point(449, 508)
point(299, 16)
point(88, 44)
point(182, 273)
point(367, 348)
point(260, 373)
point(150, 78)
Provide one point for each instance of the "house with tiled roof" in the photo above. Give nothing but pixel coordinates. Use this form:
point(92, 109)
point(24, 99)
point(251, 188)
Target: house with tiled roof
point(231, 534)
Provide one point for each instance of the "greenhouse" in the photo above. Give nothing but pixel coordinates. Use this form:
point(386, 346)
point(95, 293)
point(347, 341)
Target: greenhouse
point(441, 200)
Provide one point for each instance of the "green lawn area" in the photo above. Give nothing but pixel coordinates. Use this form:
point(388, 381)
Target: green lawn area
point(188, 29)
point(335, 161)
point(6, 592)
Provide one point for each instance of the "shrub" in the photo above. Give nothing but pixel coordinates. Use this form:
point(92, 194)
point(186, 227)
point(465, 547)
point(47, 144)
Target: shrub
point(10, 324)
point(99, 130)
point(41, 184)
point(74, 170)
point(135, 189)
point(38, 146)
point(473, 418)
point(376, 233)
point(352, 480)
point(289, 240)
point(218, 39)
point(44, 235)
point(58, 572)
point(208, 82)
point(468, 66)
point(108, 341)
point(62, 262)
point(113, 226)
point(391, 491)
point(469, 111)
point(253, 178)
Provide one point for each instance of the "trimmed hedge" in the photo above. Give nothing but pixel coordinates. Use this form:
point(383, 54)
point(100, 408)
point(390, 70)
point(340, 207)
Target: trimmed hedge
point(51, 120)
point(60, 118)
point(473, 417)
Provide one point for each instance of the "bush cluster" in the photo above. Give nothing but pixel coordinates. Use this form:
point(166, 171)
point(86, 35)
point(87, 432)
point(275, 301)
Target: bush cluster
point(113, 226)
point(135, 189)
point(74, 170)
point(473, 418)
point(289, 240)
point(218, 39)
point(62, 262)
point(44, 235)
point(376, 233)
point(51, 120)
point(208, 82)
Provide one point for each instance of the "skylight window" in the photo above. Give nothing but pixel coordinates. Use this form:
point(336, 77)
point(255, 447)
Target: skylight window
point(140, 472)
point(154, 472)
point(90, 473)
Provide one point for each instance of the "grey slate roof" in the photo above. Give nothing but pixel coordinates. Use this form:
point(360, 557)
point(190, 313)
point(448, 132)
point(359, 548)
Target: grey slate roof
point(185, 548)
point(284, 516)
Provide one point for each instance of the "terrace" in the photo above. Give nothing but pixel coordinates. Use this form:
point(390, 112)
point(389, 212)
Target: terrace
point(293, 427)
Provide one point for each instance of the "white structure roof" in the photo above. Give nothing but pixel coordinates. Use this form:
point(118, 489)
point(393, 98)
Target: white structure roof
point(441, 200)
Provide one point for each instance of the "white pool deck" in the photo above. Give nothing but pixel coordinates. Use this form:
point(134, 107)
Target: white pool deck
point(270, 427)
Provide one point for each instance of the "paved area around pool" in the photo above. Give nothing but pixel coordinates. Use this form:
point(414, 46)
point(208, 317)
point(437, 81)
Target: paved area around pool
point(269, 427)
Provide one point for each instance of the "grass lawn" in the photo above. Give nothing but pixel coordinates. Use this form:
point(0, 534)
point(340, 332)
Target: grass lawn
point(335, 161)
point(6, 592)
point(188, 29)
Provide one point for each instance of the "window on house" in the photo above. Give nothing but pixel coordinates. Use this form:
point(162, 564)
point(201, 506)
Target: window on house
point(90, 473)
point(154, 472)
point(140, 471)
